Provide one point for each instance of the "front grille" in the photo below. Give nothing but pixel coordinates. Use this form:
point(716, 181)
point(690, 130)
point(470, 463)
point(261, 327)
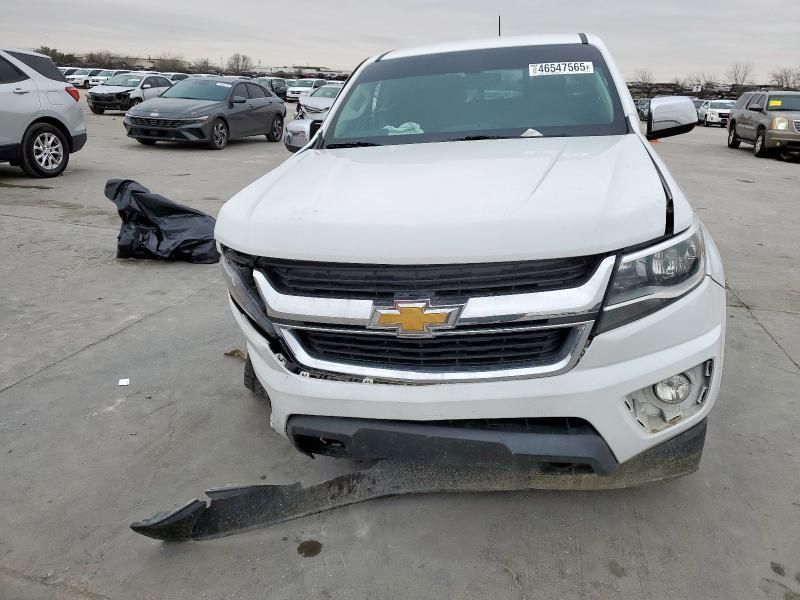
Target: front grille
point(360, 281)
point(151, 122)
point(485, 351)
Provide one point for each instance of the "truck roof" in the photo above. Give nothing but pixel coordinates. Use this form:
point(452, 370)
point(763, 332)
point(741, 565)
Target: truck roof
point(494, 42)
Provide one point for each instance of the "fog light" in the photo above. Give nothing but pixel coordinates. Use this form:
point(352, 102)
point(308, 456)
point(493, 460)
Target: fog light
point(673, 390)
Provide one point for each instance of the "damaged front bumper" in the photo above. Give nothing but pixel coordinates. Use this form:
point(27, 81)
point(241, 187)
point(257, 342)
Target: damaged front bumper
point(234, 510)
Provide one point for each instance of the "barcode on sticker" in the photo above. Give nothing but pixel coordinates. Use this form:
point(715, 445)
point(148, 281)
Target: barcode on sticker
point(560, 68)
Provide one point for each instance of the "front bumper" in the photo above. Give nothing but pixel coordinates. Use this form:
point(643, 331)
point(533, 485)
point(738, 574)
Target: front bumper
point(783, 139)
point(109, 102)
point(186, 132)
point(686, 333)
point(721, 119)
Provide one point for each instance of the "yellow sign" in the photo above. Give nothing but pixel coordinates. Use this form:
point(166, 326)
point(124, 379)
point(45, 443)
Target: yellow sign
point(414, 318)
point(775, 102)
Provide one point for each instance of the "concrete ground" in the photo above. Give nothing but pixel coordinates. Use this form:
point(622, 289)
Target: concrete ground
point(83, 457)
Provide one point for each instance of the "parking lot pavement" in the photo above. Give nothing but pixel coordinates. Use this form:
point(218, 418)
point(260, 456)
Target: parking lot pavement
point(83, 457)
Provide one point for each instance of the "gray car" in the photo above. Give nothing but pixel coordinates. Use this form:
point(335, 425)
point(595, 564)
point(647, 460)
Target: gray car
point(41, 121)
point(768, 120)
point(316, 105)
point(207, 110)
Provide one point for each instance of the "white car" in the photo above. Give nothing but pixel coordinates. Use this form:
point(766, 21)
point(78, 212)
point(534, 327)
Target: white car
point(715, 112)
point(125, 90)
point(175, 77)
point(81, 77)
point(303, 87)
point(478, 258)
point(104, 76)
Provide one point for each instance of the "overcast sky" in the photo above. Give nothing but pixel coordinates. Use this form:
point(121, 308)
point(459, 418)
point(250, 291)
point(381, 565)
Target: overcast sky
point(671, 37)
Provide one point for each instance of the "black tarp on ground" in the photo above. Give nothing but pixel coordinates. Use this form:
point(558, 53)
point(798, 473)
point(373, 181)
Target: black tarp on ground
point(158, 228)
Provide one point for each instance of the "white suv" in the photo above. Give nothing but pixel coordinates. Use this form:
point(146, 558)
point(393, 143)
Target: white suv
point(478, 258)
point(41, 122)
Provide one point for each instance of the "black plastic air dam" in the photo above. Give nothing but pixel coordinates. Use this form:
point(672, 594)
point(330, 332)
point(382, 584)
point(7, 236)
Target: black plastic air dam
point(237, 509)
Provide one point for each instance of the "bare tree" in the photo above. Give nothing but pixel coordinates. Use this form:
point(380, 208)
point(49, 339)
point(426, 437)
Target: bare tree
point(739, 73)
point(239, 63)
point(681, 82)
point(708, 80)
point(100, 58)
point(202, 65)
point(785, 77)
point(170, 62)
point(644, 75)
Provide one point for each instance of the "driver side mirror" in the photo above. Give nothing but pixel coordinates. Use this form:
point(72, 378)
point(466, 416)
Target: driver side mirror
point(670, 115)
point(146, 86)
point(756, 108)
point(238, 100)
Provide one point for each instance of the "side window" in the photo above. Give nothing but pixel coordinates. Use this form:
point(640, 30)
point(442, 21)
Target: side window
point(9, 73)
point(706, 104)
point(755, 100)
point(742, 102)
point(163, 82)
point(240, 90)
point(41, 64)
point(256, 91)
point(151, 81)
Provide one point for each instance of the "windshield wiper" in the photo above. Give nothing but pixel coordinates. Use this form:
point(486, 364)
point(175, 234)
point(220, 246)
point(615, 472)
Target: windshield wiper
point(352, 145)
point(472, 138)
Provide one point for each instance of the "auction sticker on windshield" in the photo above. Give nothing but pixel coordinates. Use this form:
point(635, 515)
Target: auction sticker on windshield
point(560, 68)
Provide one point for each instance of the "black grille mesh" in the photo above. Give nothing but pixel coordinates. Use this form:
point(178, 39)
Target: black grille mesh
point(335, 280)
point(486, 351)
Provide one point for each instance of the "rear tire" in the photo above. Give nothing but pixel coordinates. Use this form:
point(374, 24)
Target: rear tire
point(760, 145)
point(44, 151)
point(705, 121)
point(733, 141)
point(219, 135)
point(146, 142)
point(97, 111)
point(276, 129)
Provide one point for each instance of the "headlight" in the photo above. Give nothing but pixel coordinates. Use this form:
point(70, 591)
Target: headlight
point(650, 279)
point(238, 270)
point(714, 113)
point(202, 119)
point(779, 123)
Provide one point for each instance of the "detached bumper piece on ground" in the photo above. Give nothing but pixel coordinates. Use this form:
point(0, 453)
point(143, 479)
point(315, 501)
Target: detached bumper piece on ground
point(237, 509)
point(158, 228)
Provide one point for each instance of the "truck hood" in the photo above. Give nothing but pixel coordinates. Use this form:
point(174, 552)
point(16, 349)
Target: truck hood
point(452, 202)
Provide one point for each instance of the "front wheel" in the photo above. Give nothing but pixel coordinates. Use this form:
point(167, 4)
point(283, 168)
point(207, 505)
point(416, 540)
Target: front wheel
point(276, 130)
point(760, 147)
point(45, 151)
point(705, 121)
point(219, 135)
point(733, 141)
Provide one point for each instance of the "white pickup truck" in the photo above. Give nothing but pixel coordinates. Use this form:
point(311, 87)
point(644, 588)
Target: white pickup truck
point(477, 257)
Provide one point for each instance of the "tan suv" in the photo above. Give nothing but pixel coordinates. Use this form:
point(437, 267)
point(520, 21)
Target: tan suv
point(768, 120)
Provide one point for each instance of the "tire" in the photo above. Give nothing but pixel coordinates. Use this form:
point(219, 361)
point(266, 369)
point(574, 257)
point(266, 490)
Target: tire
point(252, 383)
point(276, 129)
point(97, 111)
point(705, 121)
point(218, 138)
point(733, 141)
point(760, 145)
point(146, 142)
point(44, 150)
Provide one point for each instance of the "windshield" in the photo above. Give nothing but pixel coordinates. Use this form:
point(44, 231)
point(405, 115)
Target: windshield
point(722, 104)
point(199, 89)
point(304, 83)
point(105, 73)
point(784, 102)
point(81, 72)
point(327, 91)
point(124, 80)
point(528, 91)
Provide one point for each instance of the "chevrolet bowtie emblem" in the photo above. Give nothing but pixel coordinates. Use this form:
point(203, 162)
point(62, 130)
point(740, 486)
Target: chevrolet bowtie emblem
point(414, 318)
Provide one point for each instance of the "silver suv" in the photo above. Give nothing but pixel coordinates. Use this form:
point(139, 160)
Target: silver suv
point(41, 120)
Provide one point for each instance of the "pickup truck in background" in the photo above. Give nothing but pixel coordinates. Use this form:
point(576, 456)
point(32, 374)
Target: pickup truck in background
point(478, 258)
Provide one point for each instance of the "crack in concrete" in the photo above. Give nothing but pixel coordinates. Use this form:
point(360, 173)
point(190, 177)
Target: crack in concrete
point(75, 592)
point(763, 327)
point(104, 338)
